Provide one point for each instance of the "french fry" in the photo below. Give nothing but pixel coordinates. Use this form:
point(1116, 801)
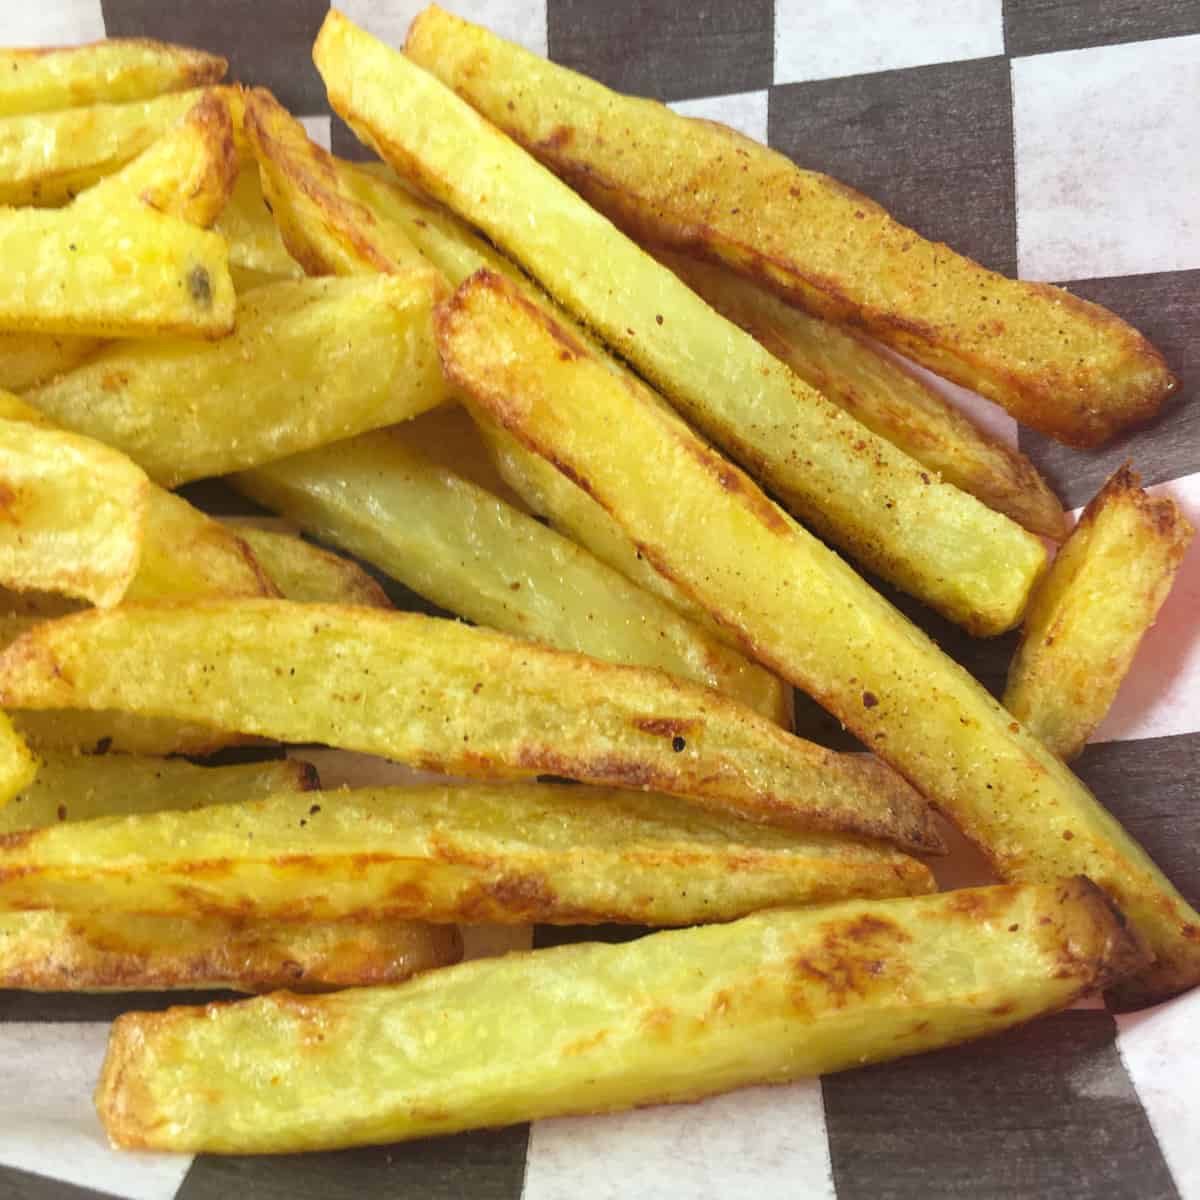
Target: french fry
point(380, 498)
point(1059, 364)
point(116, 71)
point(18, 767)
point(103, 952)
point(594, 1028)
point(505, 855)
point(48, 158)
point(803, 612)
point(879, 392)
point(27, 359)
point(446, 697)
point(308, 574)
point(971, 564)
point(256, 250)
point(96, 733)
point(310, 362)
point(73, 514)
point(1086, 620)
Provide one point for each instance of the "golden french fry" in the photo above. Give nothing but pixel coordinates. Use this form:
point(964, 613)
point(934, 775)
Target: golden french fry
point(1086, 620)
point(27, 359)
point(380, 498)
point(310, 362)
point(805, 613)
point(1069, 368)
point(115, 71)
point(18, 767)
point(256, 250)
point(595, 1028)
point(942, 545)
point(447, 697)
point(96, 733)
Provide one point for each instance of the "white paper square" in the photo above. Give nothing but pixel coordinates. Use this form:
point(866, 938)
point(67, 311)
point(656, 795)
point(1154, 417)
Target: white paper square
point(744, 111)
point(1108, 160)
point(854, 37)
point(45, 23)
point(520, 21)
point(318, 129)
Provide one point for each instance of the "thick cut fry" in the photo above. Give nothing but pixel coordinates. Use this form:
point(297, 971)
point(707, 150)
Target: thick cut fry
point(802, 611)
point(308, 574)
point(72, 514)
point(99, 952)
point(18, 767)
point(310, 362)
point(443, 696)
point(1069, 368)
point(256, 249)
point(116, 71)
point(469, 552)
point(75, 787)
point(889, 400)
point(97, 733)
point(187, 173)
point(1088, 617)
point(594, 1028)
point(27, 359)
point(48, 158)
point(506, 855)
point(122, 271)
point(858, 490)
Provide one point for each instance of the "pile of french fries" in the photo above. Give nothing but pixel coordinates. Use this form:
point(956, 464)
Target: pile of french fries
point(584, 373)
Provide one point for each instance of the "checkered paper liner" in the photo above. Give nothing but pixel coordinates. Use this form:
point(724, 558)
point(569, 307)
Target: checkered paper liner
point(1055, 139)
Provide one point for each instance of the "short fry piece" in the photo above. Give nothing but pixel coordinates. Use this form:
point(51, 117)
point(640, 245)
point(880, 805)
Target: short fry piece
point(595, 1028)
point(18, 767)
point(1086, 620)
point(115, 71)
point(1069, 368)
point(443, 696)
point(469, 552)
point(505, 855)
point(27, 359)
point(310, 362)
point(308, 574)
point(72, 514)
point(971, 564)
point(807, 615)
point(256, 249)
point(97, 733)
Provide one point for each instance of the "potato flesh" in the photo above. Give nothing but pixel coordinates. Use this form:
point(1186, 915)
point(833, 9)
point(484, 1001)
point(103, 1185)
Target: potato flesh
point(27, 359)
point(74, 513)
point(310, 362)
point(1087, 619)
point(469, 552)
point(802, 611)
point(1071, 369)
point(18, 767)
point(442, 696)
point(255, 244)
point(98, 732)
point(971, 564)
point(595, 1028)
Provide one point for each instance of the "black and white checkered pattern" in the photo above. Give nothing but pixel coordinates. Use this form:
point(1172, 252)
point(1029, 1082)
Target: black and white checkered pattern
point(1055, 138)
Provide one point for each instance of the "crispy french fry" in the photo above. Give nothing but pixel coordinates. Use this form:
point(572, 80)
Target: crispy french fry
point(18, 767)
point(443, 696)
point(115, 71)
point(505, 855)
point(256, 250)
point(1069, 368)
point(102, 952)
point(27, 359)
point(802, 611)
point(48, 158)
point(73, 514)
point(595, 1028)
point(306, 573)
point(472, 554)
point(96, 733)
point(941, 544)
point(889, 400)
point(1088, 617)
point(310, 362)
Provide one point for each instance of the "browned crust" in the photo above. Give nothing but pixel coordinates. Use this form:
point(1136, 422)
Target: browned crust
point(1159, 513)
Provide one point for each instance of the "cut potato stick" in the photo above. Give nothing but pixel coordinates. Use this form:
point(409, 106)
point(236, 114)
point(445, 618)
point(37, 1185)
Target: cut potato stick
point(103, 952)
point(27, 359)
point(803, 612)
point(443, 696)
point(380, 498)
point(888, 399)
point(76, 787)
point(310, 362)
point(256, 249)
point(72, 514)
point(971, 564)
point(1088, 617)
point(1069, 368)
point(18, 767)
point(96, 733)
point(48, 158)
point(595, 1028)
point(503, 855)
point(116, 71)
